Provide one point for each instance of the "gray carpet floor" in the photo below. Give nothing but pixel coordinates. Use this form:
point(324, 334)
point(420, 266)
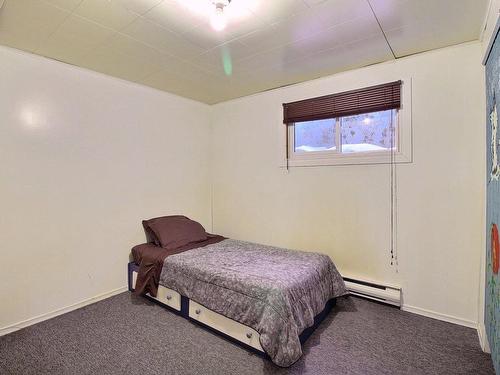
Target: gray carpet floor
point(130, 335)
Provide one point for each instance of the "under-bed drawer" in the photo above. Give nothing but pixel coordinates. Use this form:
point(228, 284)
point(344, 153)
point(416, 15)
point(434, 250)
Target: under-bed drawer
point(166, 296)
point(225, 325)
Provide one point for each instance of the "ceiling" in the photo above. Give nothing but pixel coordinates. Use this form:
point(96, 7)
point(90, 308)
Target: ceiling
point(170, 45)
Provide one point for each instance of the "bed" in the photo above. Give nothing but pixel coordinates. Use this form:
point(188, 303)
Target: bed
point(267, 298)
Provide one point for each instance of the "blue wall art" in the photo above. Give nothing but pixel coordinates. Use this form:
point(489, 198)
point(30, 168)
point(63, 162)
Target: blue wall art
point(492, 295)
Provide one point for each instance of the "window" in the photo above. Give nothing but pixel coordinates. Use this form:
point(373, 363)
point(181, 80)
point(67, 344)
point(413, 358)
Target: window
point(344, 129)
point(370, 132)
point(315, 136)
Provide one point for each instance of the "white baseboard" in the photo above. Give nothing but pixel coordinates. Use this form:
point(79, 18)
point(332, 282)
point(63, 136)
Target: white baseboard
point(483, 339)
point(40, 318)
point(440, 316)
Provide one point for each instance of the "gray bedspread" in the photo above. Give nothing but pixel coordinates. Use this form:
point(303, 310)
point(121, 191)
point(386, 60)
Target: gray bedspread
point(275, 291)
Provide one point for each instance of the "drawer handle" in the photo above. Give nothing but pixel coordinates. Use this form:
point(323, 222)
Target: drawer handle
point(197, 311)
point(169, 298)
point(249, 335)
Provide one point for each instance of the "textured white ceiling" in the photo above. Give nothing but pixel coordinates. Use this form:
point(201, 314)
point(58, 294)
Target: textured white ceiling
point(169, 44)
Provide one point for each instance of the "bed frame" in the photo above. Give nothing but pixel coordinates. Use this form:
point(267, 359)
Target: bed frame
point(229, 329)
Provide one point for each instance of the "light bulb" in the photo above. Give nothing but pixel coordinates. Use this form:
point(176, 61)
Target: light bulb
point(218, 19)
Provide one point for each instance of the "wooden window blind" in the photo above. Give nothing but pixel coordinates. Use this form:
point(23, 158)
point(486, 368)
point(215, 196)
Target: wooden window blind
point(370, 99)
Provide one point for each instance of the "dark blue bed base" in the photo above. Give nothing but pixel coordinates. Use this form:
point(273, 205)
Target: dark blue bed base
point(185, 313)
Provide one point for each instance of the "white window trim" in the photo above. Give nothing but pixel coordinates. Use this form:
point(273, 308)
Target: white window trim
point(404, 153)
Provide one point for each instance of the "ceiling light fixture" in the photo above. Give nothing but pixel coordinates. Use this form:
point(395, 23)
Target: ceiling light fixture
point(218, 19)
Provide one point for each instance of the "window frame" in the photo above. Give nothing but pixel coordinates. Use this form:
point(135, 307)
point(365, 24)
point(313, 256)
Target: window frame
point(403, 154)
point(337, 153)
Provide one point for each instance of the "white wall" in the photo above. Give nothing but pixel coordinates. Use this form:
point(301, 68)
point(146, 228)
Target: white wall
point(343, 211)
point(84, 158)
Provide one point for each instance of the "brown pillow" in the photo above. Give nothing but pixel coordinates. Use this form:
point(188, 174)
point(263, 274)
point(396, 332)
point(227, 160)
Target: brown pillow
point(172, 232)
point(150, 234)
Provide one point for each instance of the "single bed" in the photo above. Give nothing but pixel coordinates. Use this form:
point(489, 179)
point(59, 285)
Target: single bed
point(268, 298)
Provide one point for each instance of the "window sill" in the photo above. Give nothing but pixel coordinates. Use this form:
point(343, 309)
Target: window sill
point(347, 159)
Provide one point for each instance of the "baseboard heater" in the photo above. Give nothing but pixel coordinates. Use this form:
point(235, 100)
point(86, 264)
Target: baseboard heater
point(374, 291)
